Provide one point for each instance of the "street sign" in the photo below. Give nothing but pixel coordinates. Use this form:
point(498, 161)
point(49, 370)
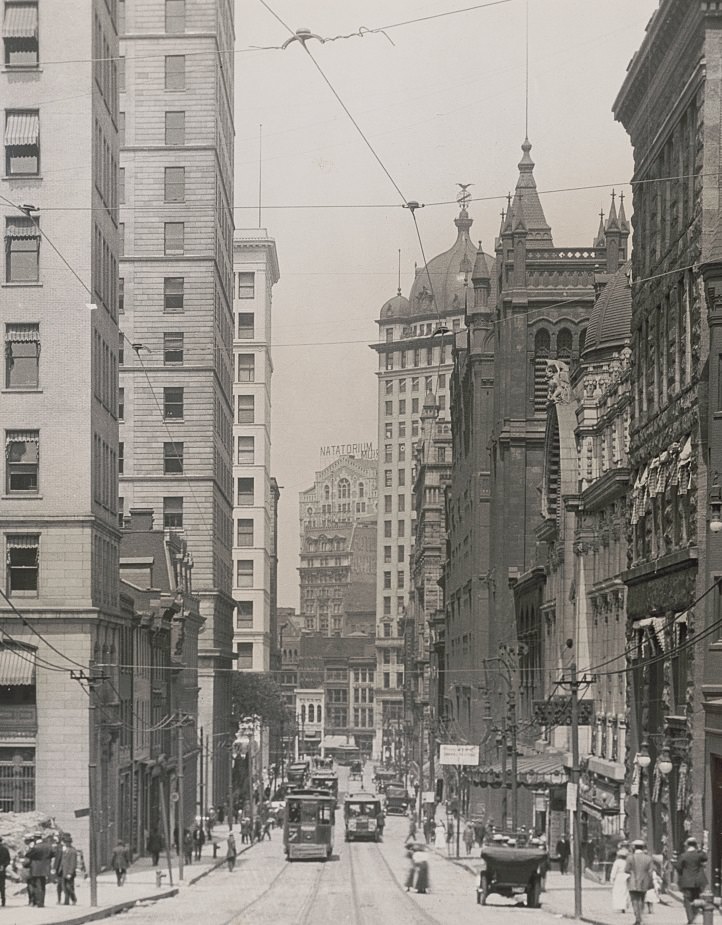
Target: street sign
point(79, 813)
point(459, 754)
point(557, 711)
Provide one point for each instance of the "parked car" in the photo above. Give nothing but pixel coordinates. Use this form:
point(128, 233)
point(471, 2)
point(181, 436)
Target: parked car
point(511, 872)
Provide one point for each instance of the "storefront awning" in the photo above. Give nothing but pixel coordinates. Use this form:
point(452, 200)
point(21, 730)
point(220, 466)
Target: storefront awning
point(22, 128)
point(532, 770)
point(17, 666)
point(21, 21)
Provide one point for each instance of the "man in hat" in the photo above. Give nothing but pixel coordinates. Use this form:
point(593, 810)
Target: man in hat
point(639, 866)
point(40, 857)
point(66, 867)
point(4, 864)
point(691, 877)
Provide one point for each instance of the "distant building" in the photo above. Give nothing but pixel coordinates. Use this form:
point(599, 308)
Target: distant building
point(414, 350)
point(289, 635)
point(255, 272)
point(338, 549)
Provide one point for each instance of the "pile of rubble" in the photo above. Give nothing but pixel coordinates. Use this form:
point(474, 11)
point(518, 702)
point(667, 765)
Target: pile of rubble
point(16, 827)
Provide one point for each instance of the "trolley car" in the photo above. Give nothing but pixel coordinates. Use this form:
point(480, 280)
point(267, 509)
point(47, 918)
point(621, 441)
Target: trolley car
point(308, 826)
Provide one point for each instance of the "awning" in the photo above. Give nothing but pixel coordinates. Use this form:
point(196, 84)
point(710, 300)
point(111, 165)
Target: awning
point(21, 228)
point(17, 666)
point(532, 770)
point(22, 128)
point(21, 21)
point(22, 334)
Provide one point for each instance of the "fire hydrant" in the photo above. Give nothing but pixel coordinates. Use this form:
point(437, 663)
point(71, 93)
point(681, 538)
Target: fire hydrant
point(159, 878)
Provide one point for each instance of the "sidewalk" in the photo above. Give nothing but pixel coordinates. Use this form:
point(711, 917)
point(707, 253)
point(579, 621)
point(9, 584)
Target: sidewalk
point(140, 886)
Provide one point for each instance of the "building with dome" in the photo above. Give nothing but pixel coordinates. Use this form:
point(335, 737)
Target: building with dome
point(416, 336)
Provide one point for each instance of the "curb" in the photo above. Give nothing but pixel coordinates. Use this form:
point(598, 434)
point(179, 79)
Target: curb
point(104, 912)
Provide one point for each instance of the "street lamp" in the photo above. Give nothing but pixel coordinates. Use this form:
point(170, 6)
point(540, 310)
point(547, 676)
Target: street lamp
point(715, 506)
point(664, 762)
point(644, 759)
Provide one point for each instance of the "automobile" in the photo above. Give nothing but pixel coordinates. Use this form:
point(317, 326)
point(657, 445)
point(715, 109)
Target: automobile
point(397, 799)
point(511, 872)
point(382, 778)
point(296, 774)
point(356, 771)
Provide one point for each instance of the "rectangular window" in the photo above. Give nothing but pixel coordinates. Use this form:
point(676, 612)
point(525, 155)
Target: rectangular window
point(402, 503)
point(175, 16)
point(402, 478)
point(173, 287)
point(246, 368)
point(402, 428)
point(22, 356)
point(173, 458)
point(389, 387)
point(245, 492)
point(121, 74)
point(429, 384)
point(174, 237)
point(402, 406)
point(121, 458)
point(172, 513)
point(172, 348)
point(22, 250)
point(175, 185)
point(442, 402)
point(244, 573)
point(245, 655)
point(387, 553)
point(121, 185)
point(389, 361)
point(121, 295)
point(246, 285)
point(175, 128)
point(387, 478)
point(121, 348)
point(175, 72)
point(387, 529)
point(22, 142)
point(172, 403)
point(121, 404)
point(402, 385)
point(389, 407)
point(23, 561)
point(246, 409)
point(386, 680)
point(246, 450)
point(245, 325)
point(400, 579)
point(414, 406)
point(415, 385)
point(244, 532)
point(387, 504)
point(121, 239)
point(401, 528)
point(389, 429)
point(442, 380)
point(402, 452)
point(387, 581)
point(20, 34)
point(429, 356)
point(121, 129)
point(414, 428)
point(400, 553)
point(388, 450)
point(22, 456)
point(399, 679)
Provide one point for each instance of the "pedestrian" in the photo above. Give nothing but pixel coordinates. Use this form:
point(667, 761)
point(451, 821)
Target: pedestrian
point(691, 877)
point(257, 830)
point(119, 862)
point(420, 861)
point(468, 837)
point(154, 846)
point(187, 846)
point(428, 830)
point(267, 827)
point(653, 895)
point(449, 836)
point(199, 839)
point(618, 877)
point(245, 830)
point(563, 852)
point(4, 864)
point(639, 865)
point(411, 872)
point(40, 857)
point(231, 852)
point(66, 868)
point(411, 834)
point(440, 834)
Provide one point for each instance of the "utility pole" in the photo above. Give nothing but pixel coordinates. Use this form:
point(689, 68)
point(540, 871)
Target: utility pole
point(230, 788)
point(504, 807)
point(181, 801)
point(458, 804)
point(92, 794)
point(514, 787)
point(202, 809)
point(574, 780)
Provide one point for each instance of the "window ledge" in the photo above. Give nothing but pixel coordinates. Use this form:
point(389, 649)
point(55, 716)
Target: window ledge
point(23, 285)
point(17, 496)
point(21, 391)
point(23, 594)
point(22, 69)
point(23, 176)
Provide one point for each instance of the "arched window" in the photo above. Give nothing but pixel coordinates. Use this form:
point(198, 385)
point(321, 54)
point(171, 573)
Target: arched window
point(327, 492)
point(361, 489)
point(344, 489)
point(311, 713)
point(564, 345)
point(318, 713)
point(303, 713)
point(542, 347)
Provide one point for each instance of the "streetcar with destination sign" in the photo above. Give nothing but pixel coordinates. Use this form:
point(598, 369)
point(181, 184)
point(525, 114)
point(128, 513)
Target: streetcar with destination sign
point(308, 825)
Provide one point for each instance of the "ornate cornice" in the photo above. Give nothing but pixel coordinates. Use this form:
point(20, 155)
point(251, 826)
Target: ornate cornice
point(608, 487)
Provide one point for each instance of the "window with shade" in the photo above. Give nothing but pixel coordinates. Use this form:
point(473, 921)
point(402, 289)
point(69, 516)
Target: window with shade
point(246, 285)
point(244, 651)
point(246, 450)
point(22, 250)
point(246, 326)
point(173, 293)
point(245, 495)
point(246, 409)
point(244, 573)
point(22, 456)
point(174, 238)
point(244, 532)
point(20, 35)
point(173, 513)
point(175, 72)
point(246, 367)
point(175, 16)
point(175, 128)
point(173, 343)
point(244, 614)
point(22, 356)
point(23, 562)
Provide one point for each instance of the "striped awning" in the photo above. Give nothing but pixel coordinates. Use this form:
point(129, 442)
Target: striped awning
point(21, 228)
point(21, 21)
point(22, 128)
point(22, 334)
point(17, 666)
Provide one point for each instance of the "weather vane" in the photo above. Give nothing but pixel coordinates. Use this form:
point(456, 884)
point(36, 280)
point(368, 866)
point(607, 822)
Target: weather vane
point(463, 196)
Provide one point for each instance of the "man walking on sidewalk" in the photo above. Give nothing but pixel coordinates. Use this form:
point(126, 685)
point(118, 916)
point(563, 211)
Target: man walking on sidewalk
point(4, 864)
point(639, 866)
point(66, 867)
point(691, 876)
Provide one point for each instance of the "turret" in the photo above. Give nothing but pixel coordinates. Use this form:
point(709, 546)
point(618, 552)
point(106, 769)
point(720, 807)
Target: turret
point(481, 281)
point(613, 235)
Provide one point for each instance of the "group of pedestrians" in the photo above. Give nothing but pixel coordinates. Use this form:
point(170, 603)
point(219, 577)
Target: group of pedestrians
point(47, 858)
point(637, 880)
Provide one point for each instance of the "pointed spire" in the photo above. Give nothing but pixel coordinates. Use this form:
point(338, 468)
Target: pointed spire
point(612, 221)
point(623, 223)
point(599, 239)
point(507, 224)
point(480, 273)
point(533, 219)
point(519, 220)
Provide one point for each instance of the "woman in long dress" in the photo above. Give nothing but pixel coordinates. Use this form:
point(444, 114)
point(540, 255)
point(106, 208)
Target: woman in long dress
point(440, 834)
point(618, 878)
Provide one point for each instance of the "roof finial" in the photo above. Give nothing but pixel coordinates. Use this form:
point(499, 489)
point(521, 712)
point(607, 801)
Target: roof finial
point(398, 291)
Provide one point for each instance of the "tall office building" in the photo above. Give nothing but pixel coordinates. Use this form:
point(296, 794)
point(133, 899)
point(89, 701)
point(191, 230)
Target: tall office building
point(255, 269)
point(58, 519)
point(414, 348)
point(176, 190)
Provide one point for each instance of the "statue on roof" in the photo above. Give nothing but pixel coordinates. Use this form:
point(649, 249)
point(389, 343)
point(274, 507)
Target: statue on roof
point(558, 384)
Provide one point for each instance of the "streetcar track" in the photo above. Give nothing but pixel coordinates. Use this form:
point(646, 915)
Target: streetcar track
point(307, 907)
point(235, 918)
point(421, 915)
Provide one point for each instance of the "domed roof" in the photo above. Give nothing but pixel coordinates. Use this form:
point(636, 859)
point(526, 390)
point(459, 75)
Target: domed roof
point(397, 307)
point(447, 275)
point(609, 327)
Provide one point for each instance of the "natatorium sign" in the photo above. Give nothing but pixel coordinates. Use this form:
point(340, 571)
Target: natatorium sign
point(459, 754)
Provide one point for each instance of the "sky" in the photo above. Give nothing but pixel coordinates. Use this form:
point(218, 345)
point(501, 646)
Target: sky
point(441, 102)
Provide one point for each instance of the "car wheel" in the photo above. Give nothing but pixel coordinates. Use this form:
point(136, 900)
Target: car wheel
point(533, 895)
point(483, 890)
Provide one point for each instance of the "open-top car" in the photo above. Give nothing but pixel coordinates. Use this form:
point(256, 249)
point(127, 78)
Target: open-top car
point(511, 872)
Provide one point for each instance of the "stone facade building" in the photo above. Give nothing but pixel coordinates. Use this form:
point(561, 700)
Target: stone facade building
point(176, 278)
point(669, 104)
